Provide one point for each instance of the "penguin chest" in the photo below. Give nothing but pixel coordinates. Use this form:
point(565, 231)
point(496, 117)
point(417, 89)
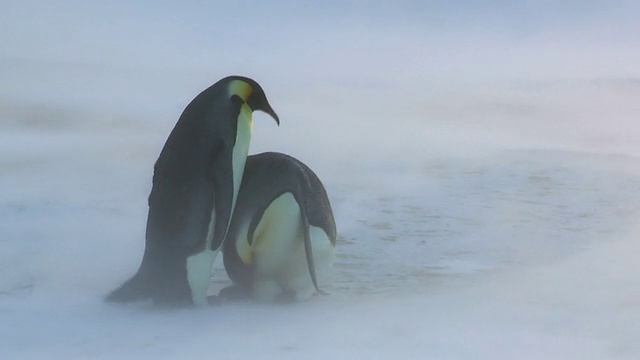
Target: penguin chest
point(241, 148)
point(278, 233)
point(199, 265)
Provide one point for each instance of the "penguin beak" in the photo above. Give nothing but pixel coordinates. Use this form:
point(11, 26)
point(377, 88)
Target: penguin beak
point(269, 110)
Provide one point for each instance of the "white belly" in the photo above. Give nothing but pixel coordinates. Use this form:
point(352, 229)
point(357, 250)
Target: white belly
point(199, 265)
point(280, 263)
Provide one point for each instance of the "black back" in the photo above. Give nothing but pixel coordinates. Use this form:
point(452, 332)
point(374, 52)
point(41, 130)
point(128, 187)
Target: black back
point(183, 195)
point(266, 177)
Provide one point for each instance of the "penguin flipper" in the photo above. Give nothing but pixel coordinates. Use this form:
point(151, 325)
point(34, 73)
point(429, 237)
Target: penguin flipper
point(308, 250)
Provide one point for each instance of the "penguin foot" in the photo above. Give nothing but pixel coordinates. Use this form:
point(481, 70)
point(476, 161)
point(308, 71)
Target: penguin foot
point(213, 300)
point(231, 293)
point(287, 297)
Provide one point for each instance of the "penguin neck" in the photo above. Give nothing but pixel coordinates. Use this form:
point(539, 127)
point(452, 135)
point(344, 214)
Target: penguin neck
point(241, 149)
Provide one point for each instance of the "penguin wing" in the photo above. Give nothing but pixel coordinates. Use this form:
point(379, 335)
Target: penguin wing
point(179, 205)
point(316, 202)
point(286, 174)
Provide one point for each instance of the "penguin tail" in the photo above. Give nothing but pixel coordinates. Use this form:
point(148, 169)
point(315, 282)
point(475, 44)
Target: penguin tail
point(162, 280)
point(140, 286)
point(134, 289)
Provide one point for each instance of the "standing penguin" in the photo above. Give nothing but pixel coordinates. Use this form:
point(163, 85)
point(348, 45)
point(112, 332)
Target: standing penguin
point(281, 240)
point(195, 185)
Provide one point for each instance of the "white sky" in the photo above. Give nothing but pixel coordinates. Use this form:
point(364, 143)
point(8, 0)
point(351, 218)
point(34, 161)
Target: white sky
point(512, 71)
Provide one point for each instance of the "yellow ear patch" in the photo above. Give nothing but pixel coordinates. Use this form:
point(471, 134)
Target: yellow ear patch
point(240, 88)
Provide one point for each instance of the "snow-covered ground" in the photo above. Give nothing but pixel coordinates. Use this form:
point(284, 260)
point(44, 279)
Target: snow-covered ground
point(483, 211)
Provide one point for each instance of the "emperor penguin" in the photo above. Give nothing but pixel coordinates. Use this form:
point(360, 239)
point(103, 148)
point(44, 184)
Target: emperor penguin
point(196, 181)
point(280, 244)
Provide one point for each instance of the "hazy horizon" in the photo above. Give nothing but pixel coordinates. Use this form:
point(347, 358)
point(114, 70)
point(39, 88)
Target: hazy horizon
point(494, 70)
point(482, 160)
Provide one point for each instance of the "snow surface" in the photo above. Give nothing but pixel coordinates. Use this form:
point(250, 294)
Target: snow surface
point(486, 209)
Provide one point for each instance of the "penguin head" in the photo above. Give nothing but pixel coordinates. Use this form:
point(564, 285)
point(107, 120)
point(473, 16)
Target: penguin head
point(251, 93)
point(231, 145)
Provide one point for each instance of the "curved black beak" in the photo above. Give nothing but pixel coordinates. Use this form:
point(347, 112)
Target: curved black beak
point(269, 110)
